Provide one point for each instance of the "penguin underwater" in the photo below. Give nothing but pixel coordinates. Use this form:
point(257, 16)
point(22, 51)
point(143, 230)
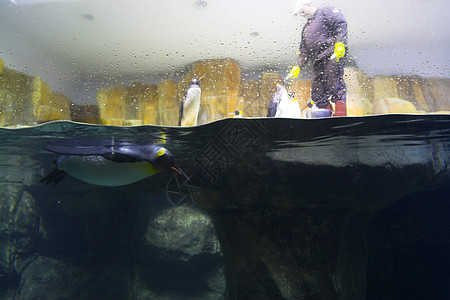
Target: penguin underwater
point(109, 163)
point(190, 104)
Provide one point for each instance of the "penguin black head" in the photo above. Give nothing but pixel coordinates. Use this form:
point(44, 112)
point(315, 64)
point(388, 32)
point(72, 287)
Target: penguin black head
point(195, 82)
point(164, 160)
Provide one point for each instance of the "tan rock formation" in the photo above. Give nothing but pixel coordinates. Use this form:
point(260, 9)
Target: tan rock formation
point(148, 103)
point(15, 94)
point(392, 106)
point(439, 90)
point(384, 87)
point(421, 95)
point(267, 86)
point(252, 105)
point(167, 103)
point(111, 106)
point(141, 104)
point(86, 113)
point(26, 100)
point(302, 90)
point(220, 84)
point(46, 106)
point(359, 92)
point(357, 106)
point(57, 107)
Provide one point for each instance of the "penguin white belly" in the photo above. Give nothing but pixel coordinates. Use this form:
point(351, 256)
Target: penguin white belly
point(288, 108)
point(191, 107)
point(101, 171)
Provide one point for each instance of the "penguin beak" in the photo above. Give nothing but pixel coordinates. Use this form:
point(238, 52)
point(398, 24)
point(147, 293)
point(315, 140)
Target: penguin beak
point(178, 171)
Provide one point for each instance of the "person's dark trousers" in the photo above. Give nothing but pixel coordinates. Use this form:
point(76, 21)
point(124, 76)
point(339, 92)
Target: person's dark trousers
point(328, 82)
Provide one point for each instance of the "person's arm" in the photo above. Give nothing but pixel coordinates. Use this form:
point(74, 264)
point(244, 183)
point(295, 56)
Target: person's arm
point(303, 55)
point(337, 26)
point(301, 61)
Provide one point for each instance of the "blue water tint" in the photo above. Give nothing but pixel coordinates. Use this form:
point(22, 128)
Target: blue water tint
point(136, 236)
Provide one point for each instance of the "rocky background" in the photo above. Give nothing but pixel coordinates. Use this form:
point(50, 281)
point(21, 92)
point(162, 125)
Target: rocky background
point(75, 241)
point(29, 100)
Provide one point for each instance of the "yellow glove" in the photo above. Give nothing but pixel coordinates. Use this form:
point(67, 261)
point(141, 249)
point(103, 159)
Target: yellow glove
point(339, 51)
point(294, 73)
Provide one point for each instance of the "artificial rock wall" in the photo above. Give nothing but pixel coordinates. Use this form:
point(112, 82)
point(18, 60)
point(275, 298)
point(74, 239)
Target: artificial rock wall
point(29, 100)
point(25, 99)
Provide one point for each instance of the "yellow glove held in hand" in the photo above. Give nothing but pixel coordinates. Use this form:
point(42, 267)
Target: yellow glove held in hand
point(339, 51)
point(294, 72)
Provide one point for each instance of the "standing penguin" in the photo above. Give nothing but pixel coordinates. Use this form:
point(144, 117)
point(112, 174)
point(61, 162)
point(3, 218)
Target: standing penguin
point(190, 105)
point(283, 105)
point(109, 163)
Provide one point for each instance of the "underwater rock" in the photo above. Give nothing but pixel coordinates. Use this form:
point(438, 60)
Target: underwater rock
point(112, 246)
point(177, 254)
point(19, 221)
point(26, 228)
point(393, 106)
point(48, 278)
point(103, 275)
point(181, 233)
point(96, 221)
point(290, 233)
point(10, 195)
point(205, 282)
point(408, 245)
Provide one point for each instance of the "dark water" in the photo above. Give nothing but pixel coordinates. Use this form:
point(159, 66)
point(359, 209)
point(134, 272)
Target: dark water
point(226, 141)
point(90, 230)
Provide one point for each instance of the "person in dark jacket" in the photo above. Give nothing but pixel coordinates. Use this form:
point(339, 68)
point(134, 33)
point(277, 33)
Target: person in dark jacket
point(324, 42)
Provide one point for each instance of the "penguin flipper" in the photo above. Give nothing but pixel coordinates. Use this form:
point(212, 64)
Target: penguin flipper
point(79, 147)
point(117, 151)
point(272, 111)
point(54, 176)
point(180, 115)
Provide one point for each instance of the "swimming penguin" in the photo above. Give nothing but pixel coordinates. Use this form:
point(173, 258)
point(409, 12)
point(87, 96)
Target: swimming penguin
point(283, 105)
point(190, 104)
point(109, 163)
